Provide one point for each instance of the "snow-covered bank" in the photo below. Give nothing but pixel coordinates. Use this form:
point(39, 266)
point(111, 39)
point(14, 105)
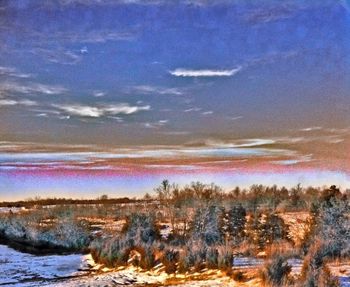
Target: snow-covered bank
point(17, 267)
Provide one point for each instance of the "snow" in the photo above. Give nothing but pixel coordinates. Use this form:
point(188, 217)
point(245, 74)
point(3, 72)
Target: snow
point(17, 267)
point(26, 270)
point(247, 262)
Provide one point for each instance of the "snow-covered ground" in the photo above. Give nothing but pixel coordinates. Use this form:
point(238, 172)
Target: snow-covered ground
point(17, 267)
point(26, 270)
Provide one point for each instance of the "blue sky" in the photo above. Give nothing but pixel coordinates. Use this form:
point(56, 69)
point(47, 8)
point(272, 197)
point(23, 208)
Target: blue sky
point(137, 73)
point(290, 62)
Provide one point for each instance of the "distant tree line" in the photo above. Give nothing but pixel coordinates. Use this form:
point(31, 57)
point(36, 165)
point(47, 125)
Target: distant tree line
point(66, 201)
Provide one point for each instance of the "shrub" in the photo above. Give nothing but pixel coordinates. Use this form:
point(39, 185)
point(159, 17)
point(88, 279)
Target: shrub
point(321, 278)
point(65, 232)
point(212, 258)
point(314, 271)
point(111, 252)
point(326, 279)
point(185, 262)
point(148, 260)
point(169, 260)
point(141, 228)
point(225, 258)
point(275, 272)
point(238, 276)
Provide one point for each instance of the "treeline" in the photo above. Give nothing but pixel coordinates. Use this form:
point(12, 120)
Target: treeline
point(255, 197)
point(66, 201)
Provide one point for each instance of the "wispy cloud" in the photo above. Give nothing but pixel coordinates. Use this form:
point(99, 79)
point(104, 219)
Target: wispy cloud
point(273, 13)
point(29, 88)
point(207, 113)
point(101, 110)
point(310, 129)
point(97, 36)
point(181, 72)
point(204, 3)
point(300, 159)
point(175, 133)
point(13, 72)
point(58, 56)
point(139, 2)
point(24, 102)
point(235, 118)
point(156, 124)
point(194, 109)
point(146, 89)
point(98, 94)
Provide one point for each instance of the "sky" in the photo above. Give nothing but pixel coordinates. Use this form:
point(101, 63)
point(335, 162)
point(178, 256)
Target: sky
point(112, 96)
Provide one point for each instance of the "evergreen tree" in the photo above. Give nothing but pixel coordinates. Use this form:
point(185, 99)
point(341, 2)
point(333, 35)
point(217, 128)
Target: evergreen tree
point(236, 221)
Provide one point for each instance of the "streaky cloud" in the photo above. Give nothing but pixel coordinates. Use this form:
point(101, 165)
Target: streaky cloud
point(147, 89)
point(310, 129)
point(31, 88)
point(12, 72)
point(25, 102)
point(181, 72)
point(99, 111)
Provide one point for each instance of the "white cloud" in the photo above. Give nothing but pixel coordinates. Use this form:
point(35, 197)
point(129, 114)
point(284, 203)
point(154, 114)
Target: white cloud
point(43, 115)
point(204, 73)
point(300, 159)
point(12, 72)
point(84, 111)
point(99, 111)
point(145, 89)
point(235, 118)
point(125, 109)
point(157, 124)
point(84, 50)
point(310, 129)
point(194, 109)
point(27, 103)
point(8, 103)
point(31, 88)
point(98, 94)
point(20, 102)
point(207, 113)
